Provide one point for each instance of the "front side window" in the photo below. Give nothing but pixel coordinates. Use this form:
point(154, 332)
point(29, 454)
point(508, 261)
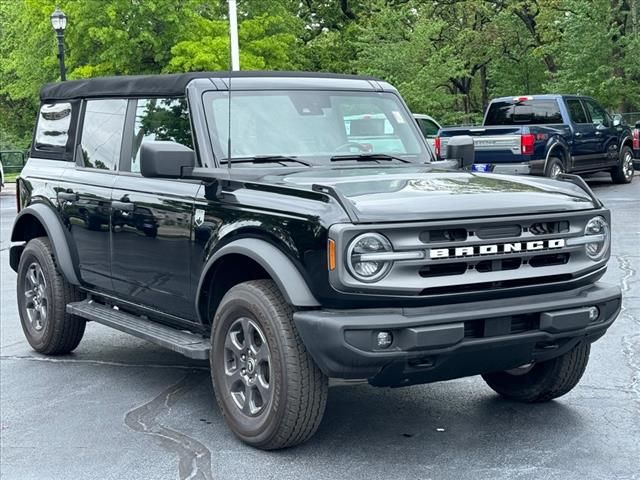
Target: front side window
point(528, 112)
point(160, 119)
point(311, 125)
point(102, 130)
point(576, 111)
point(597, 113)
point(54, 121)
point(428, 128)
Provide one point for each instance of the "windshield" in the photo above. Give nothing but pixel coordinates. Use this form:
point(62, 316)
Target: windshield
point(315, 126)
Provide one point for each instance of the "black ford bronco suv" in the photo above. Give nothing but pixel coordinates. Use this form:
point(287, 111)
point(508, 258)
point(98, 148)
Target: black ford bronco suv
point(293, 228)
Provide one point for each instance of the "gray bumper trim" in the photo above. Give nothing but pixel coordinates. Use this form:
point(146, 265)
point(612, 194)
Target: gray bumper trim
point(342, 341)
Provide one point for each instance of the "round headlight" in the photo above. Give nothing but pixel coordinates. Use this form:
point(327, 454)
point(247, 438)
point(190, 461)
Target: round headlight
point(599, 229)
point(368, 269)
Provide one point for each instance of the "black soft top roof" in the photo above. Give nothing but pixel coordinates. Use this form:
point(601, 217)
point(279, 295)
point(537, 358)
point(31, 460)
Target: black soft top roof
point(157, 85)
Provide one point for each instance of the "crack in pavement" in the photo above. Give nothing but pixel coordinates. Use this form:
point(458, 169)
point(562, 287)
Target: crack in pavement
point(630, 342)
point(194, 457)
point(100, 362)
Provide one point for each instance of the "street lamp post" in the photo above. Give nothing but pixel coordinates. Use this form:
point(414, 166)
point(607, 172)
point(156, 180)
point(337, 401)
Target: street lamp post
point(59, 23)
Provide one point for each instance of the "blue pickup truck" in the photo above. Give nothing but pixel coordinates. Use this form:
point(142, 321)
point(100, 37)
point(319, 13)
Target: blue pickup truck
point(548, 135)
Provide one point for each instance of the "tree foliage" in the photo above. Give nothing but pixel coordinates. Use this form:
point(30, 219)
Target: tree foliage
point(447, 57)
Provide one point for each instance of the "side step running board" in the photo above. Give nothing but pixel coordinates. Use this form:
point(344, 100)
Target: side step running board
point(188, 344)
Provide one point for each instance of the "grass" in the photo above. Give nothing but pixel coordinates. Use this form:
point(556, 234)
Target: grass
point(10, 177)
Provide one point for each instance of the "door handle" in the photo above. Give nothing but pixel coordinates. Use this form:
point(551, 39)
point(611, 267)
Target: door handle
point(68, 196)
point(124, 206)
point(598, 133)
point(578, 134)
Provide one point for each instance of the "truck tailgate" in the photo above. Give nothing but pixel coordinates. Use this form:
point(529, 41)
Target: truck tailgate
point(492, 144)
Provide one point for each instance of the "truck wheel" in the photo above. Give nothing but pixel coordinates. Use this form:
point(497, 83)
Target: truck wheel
point(543, 381)
point(270, 391)
point(43, 295)
point(554, 167)
point(623, 173)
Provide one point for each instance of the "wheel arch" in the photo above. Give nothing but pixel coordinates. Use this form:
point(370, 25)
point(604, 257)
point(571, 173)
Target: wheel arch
point(39, 220)
point(627, 142)
point(558, 149)
point(249, 259)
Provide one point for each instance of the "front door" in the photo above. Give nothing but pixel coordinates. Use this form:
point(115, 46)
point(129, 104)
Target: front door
point(606, 143)
point(152, 218)
point(584, 140)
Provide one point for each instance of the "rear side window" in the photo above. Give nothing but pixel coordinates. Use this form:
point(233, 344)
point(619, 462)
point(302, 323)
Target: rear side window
point(55, 132)
point(54, 121)
point(160, 119)
point(530, 112)
point(102, 130)
point(576, 111)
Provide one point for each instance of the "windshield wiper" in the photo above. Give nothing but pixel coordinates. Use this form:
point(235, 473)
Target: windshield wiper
point(267, 159)
point(364, 157)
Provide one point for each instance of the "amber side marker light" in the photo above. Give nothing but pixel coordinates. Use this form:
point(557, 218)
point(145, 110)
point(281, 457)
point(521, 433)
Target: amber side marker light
point(331, 254)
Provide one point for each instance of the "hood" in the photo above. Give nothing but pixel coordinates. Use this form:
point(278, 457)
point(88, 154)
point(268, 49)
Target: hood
point(420, 192)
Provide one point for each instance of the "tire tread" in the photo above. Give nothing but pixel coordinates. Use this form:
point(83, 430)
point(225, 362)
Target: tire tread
point(306, 386)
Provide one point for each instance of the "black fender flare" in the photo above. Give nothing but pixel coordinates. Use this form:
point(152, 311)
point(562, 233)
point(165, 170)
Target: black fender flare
point(554, 145)
point(626, 141)
point(57, 234)
point(281, 269)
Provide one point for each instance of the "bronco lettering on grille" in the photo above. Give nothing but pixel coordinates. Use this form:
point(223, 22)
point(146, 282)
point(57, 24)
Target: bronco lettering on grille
point(515, 247)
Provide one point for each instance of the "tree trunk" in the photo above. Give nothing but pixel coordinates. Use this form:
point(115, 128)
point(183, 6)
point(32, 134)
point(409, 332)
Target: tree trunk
point(484, 88)
point(619, 11)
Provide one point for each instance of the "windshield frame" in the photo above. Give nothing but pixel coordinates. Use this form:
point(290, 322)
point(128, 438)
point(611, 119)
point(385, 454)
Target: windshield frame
point(423, 156)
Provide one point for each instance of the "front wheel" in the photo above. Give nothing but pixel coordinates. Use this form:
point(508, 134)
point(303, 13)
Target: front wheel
point(623, 173)
point(270, 391)
point(544, 381)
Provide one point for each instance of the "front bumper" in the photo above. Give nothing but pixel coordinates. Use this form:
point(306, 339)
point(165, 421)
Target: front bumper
point(451, 341)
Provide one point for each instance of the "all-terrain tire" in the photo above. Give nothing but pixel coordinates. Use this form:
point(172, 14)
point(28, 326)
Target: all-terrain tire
point(298, 388)
point(545, 380)
point(58, 332)
point(623, 172)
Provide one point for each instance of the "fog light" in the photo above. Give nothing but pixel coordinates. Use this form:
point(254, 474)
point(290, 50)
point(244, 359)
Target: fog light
point(594, 313)
point(385, 339)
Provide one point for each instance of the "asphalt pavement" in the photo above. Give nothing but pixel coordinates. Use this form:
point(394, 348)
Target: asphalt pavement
point(121, 408)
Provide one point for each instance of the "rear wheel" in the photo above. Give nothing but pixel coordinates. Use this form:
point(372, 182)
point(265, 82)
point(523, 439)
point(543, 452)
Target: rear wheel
point(623, 173)
point(269, 389)
point(544, 381)
point(43, 295)
point(554, 167)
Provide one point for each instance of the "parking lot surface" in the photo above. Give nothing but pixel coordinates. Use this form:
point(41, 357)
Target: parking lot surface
point(119, 407)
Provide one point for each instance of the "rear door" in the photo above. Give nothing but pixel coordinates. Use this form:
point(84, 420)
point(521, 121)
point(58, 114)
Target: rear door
point(152, 218)
point(85, 197)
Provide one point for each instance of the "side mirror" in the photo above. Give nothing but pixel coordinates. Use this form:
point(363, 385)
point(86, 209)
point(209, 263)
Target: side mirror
point(165, 159)
point(461, 148)
point(638, 125)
